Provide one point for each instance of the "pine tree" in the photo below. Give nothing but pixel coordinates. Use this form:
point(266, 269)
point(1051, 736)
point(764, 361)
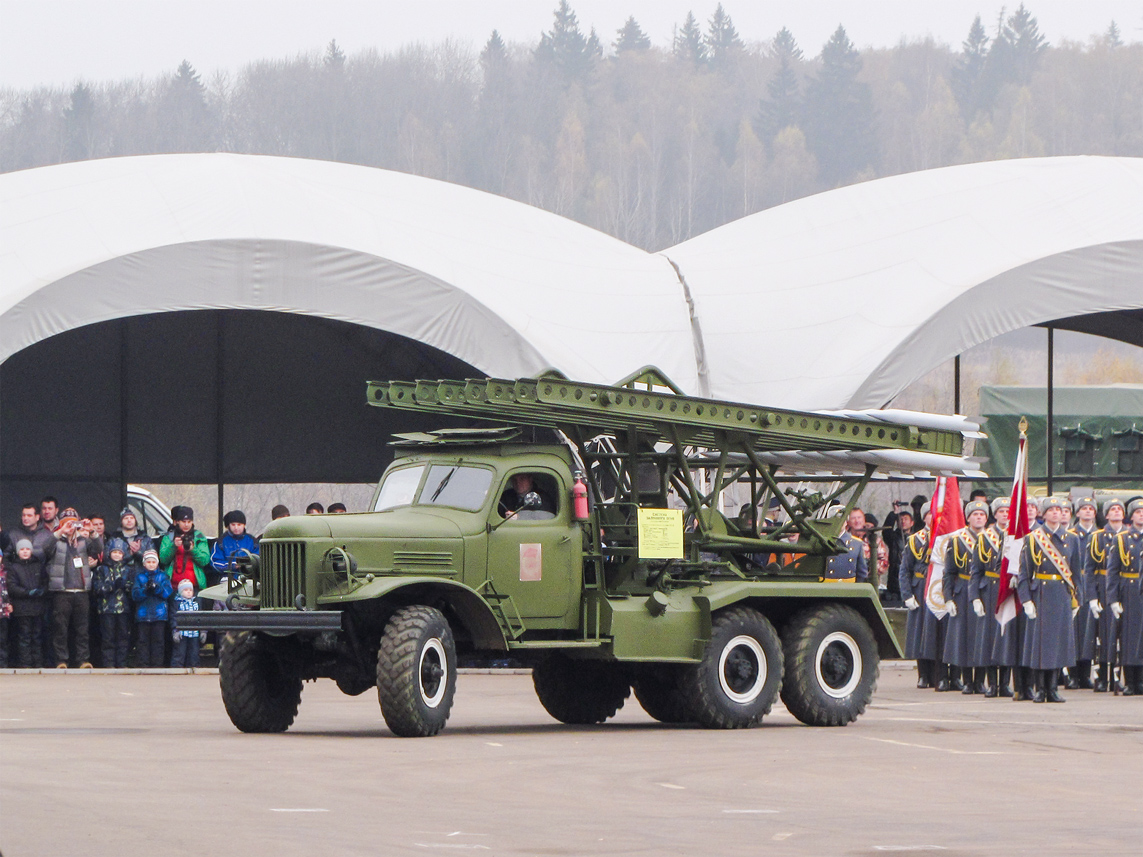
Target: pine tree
point(968, 74)
point(722, 40)
point(689, 44)
point(78, 117)
point(494, 57)
point(1112, 37)
point(631, 37)
point(839, 112)
point(334, 56)
point(1027, 43)
point(566, 48)
point(782, 108)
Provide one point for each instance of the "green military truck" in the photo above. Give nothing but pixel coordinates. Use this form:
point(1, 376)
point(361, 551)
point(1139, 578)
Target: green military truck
point(580, 533)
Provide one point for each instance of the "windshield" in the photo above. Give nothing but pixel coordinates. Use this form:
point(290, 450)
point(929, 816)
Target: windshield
point(399, 488)
point(456, 486)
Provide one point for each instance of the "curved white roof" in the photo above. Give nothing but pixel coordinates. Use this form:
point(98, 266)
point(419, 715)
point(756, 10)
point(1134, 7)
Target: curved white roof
point(844, 298)
point(834, 301)
point(504, 286)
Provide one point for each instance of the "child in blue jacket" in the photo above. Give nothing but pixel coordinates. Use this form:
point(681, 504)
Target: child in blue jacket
point(151, 592)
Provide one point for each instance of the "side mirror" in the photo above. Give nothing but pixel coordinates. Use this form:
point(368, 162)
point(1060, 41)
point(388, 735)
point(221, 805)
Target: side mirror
point(531, 500)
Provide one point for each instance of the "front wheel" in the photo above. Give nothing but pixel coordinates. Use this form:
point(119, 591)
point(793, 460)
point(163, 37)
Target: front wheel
point(831, 665)
point(416, 672)
point(736, 682)
point(260, 693)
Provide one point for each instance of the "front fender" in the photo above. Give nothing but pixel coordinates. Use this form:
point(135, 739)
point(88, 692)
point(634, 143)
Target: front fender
point(470, 609)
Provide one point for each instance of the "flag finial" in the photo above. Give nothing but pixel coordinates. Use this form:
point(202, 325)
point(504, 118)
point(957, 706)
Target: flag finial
point(1023, 425)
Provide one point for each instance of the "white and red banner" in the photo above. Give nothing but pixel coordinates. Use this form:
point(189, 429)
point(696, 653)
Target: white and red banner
point(948, 517)
point(1018, 527)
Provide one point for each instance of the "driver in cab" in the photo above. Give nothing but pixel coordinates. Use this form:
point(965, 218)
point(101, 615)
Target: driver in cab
point(522, 499)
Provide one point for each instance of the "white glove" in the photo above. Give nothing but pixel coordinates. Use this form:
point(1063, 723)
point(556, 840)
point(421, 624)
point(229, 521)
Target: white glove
point(978, 608)
point(1075, 611)
point(1029, 609)
point(951, 605)
point(911, 602)
point(1117, 609)
point(1096, 608)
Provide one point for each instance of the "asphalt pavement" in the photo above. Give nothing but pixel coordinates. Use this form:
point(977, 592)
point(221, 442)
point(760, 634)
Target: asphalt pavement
point(102, 764)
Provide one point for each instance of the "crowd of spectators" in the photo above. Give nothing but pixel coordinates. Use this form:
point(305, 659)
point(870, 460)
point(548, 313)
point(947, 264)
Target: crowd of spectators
point(73, 594)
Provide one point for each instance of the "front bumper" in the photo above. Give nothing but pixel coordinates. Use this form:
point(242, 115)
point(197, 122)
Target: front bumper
point(273, 621)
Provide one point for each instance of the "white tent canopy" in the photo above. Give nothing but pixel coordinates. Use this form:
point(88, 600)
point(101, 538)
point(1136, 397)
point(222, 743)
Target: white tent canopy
point(844, 298)
point(503, 286)
point(837, 300)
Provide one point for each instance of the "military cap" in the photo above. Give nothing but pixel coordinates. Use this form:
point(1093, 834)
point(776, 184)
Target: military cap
point(1048, 502)
point(1080, 502)
point(975, 506)
point(1137, 503)
point(925, 509)
point(1113, 501)
point(1000, 503)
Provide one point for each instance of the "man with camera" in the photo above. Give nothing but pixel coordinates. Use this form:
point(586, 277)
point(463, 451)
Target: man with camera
point(183, 551)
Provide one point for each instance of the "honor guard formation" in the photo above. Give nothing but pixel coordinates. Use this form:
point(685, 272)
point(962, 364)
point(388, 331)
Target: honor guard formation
point(1080, 602)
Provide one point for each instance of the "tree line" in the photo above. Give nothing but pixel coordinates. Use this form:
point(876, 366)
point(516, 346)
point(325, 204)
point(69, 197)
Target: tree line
point(651, 143)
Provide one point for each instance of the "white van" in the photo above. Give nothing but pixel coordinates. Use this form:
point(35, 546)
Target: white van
point(151, 513)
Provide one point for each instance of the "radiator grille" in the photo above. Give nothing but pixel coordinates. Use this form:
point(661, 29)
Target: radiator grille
point(283, 572)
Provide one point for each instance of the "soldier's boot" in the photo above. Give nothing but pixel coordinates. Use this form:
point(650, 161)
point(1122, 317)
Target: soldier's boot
point(1101, 678)
point(942, 676)
point(1022, 679)
point(993, 689)
point(1084, 676)
point(966, 680)
point(1052, 693)
point(924, 674)
point(1005, 677)
point(954, 677)
point(981, 674)
point(1138, 680)
point(1072, 682)
point(1129, 680)
point(1042, 677)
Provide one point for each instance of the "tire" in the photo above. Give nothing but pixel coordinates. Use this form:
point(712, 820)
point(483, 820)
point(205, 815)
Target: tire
point(580, 692)
point(416, 672)
point(832, 665)
point(657, 689)
point(260, 694)
point(736, 682)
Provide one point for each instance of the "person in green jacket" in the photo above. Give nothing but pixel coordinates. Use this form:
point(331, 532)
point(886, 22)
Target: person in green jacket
point(183, 550)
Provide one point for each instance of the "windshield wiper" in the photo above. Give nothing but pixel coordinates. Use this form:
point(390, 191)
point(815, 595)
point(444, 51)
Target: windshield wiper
point(441, 487)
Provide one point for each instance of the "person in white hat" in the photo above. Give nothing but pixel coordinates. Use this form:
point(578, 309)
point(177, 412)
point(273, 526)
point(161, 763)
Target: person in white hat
point(1125, 592)
point(1103, 542)
point(1047, 589)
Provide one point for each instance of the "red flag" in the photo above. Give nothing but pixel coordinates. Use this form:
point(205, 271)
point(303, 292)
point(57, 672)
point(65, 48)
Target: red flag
point(1018, 527)
point(948, 517)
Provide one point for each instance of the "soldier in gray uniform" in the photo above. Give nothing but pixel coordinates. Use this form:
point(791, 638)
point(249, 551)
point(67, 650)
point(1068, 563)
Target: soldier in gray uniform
point(1124, 579)
point(1083, 526)
point(911, 580)
point(986, 583)
point(1046, 586)
point(1095, 578)
point(966, 608)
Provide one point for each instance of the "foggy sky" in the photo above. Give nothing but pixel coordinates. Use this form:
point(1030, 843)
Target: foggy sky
point(59, 42)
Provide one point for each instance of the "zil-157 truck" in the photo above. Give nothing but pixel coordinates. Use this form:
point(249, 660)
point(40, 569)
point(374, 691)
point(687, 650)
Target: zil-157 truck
point(580, 533)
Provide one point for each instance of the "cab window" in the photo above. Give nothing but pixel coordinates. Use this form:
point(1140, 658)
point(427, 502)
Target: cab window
point(399, 488)
point(514, 505)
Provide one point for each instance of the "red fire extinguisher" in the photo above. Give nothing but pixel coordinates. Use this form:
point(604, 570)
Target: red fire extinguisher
point(579, 498)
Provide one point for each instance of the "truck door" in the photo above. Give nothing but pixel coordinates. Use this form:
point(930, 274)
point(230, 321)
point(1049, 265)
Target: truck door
point(535, 555)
